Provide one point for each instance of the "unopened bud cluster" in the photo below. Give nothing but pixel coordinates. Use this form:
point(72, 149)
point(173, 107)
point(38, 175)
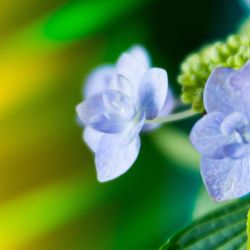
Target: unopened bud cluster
point(195, 70)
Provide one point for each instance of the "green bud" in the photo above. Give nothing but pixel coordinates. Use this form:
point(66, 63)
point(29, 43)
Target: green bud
point(195, 70)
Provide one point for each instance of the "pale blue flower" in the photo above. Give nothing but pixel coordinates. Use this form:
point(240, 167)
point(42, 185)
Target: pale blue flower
point(223, 135)
point(119, 99)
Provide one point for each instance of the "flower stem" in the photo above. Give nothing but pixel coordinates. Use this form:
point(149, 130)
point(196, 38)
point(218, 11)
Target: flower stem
point(174, 117)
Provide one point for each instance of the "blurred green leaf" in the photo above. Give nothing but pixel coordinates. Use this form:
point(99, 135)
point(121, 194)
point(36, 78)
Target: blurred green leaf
point(79, 18)
point(44, 210)
point(204, 204)
point(248, 229)
point(174, 144)
point(224, 228)
point(153, 211)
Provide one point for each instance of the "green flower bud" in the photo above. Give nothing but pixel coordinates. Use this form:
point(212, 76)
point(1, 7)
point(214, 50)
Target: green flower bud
point(197, 67)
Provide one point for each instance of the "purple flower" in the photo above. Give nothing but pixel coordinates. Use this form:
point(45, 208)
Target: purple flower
point(119, 99)
point(223, 135)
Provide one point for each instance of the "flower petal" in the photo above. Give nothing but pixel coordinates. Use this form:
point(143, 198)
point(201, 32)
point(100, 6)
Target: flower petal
point(114, 156)
point(108, 112)
point(237, 150)
point(207, 138)
point(226, 179)
point(130, 68)
point(92, 137)
point(217, 96)
point(92, 106)
point(227, 90)
point(152, 92)
point(98, 80)
point(107, 124)
point(140, 53)
point(233, 122)
point(119, 104)
point(122, 84)
point(168, 107)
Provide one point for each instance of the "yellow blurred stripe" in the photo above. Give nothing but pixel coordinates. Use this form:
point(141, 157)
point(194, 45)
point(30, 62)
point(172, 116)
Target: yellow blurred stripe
point(31, 62)
point(21, 77)
point(25, 74)
point(15, 14)
point(41, 211)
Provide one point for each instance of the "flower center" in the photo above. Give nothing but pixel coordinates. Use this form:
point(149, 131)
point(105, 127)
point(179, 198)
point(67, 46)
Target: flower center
point(118, 105)
point(241, 147)
point(236, 127)
point(244, 133)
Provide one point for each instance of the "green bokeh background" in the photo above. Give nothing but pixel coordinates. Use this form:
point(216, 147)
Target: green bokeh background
point(49, 196)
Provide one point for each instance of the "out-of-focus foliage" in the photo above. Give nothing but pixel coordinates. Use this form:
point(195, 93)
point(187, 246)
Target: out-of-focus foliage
point(204, 204)
point(168, 139)
point(248, 229)
point(80, 18)
point(224, 228)
point(245, 28)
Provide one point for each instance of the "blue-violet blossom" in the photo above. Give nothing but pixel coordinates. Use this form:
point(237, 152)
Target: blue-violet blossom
point(222, 136)
point(119, 100)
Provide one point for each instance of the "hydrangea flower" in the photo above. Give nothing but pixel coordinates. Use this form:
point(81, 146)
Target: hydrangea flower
point(222, 136)
point(119, 101)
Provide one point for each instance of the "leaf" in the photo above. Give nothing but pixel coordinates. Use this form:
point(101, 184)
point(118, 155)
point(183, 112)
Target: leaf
point(248, 230)
point(222, 229)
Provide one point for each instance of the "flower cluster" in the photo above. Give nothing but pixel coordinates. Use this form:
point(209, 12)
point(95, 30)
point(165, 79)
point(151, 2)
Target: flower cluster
point(222, 136)
point(119, 101)
point(125, 99)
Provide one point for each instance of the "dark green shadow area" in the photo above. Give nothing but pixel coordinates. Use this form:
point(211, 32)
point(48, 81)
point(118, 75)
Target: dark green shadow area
point(152, 201)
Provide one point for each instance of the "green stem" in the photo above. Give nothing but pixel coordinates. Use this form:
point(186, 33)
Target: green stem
point(174, 117)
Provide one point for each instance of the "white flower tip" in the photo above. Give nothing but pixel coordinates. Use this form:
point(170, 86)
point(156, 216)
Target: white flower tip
point(81, 113)
point(79, 109)
point(105, 177)
point(141, 54)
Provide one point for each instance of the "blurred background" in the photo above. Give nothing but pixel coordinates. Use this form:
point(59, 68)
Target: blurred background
point(49, 196)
